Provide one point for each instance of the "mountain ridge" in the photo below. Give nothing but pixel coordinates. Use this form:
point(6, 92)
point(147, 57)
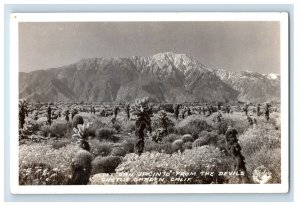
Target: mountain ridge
point(166, 77)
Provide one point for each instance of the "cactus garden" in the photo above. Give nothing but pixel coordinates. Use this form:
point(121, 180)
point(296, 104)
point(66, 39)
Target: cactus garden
point(144, 142)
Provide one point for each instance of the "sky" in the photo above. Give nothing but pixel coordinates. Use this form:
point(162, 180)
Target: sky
point(233, 46)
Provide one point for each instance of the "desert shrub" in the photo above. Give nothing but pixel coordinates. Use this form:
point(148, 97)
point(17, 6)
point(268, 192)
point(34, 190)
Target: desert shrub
point(223, 125)
point(187, 138)
point(42, 121)
point(129, 126)
point(171, 138)
point(258, 137)
point(105, 164)
point(30, 127)
point(204, 159)
point(59, 129)
point(163, 147)
point(128, 145)
point(77, 120)
point(118, 151)
point(45, 130)
point(105, 133)
point(60, 143)
point(97, 123)
point(237, 121)
point(192, 125)
point(37, 154)
point(269, 158)
point(177, 145)
point(100, 148)
point(42, 174)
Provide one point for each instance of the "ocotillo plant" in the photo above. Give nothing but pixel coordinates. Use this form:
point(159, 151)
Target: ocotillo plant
point(23, 104)
point(81, 135)
point(144, 113)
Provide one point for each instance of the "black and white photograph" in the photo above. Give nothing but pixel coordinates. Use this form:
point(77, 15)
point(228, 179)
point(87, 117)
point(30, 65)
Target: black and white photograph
point(147, 101)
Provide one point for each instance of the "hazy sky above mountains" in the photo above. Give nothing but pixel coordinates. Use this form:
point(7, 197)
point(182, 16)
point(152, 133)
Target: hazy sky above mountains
point(232, 46)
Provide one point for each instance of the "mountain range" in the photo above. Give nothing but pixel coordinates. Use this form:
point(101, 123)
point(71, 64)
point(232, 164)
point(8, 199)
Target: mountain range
point(165, 77)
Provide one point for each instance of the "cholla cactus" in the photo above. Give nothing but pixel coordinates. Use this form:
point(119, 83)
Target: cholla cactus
point(81, 135)
point(49, 116)
point(23, 107)
point(164, 121)
point(234, 149)
point(144, 113)
point(66, 113)
point(74, 111)
point(127, 110)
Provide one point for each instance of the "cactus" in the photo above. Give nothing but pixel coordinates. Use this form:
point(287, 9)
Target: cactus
point(199, 142)
point(81, 135)
point(127, 110)
point(74, 111)
point(144, 113)
point(49, 112)
point(164, 121)
point(176, 110)
point(267, 111)
point(177, 145)
point(258, 110)
point(187, 138)
point(81, 168)
point(116, 111)
point(23, 106)
point(234, 150)
point(77, 120)
point(66, 113)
